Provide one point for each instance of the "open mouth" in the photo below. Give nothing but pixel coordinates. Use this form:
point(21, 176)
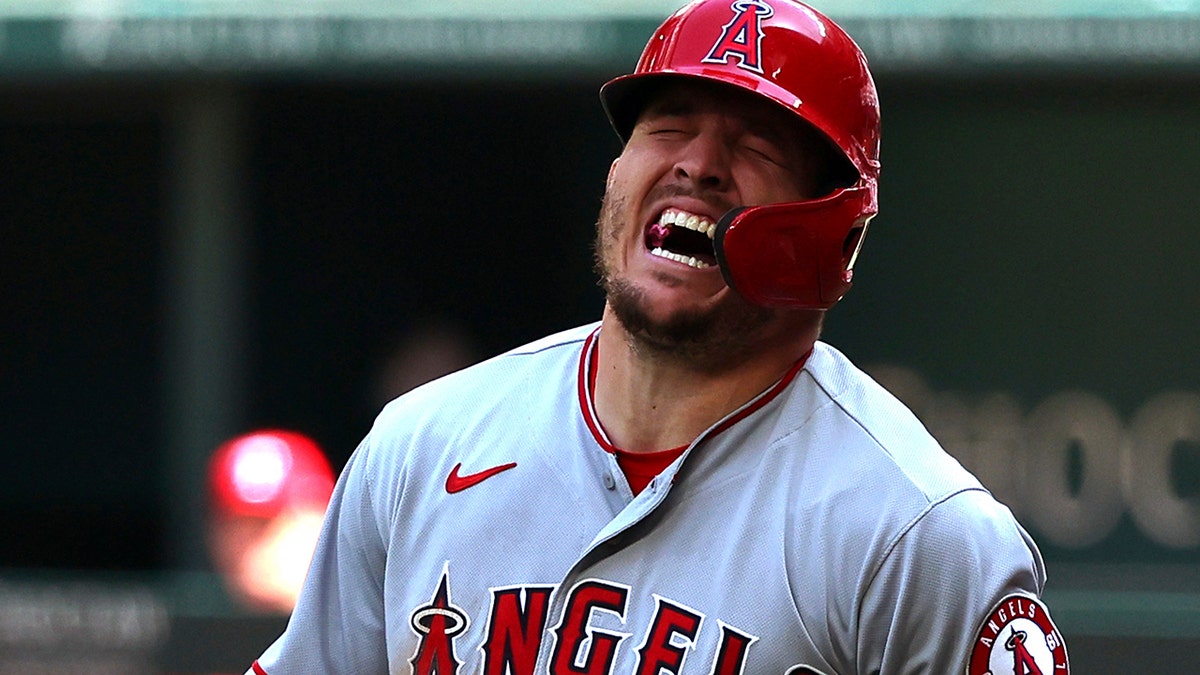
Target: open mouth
point(683, 237)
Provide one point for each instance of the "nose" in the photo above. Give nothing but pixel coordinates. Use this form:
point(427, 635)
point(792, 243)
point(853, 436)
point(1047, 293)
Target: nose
point(704, 162)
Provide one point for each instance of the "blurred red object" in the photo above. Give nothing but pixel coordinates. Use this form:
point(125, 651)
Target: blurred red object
point(268, 491)
point(264, 473)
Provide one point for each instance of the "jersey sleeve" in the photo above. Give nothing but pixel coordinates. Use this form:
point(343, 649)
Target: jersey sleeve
point(937, 584)
point(337, 625)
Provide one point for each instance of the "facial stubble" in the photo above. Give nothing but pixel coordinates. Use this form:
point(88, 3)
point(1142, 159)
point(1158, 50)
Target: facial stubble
point(712, 340)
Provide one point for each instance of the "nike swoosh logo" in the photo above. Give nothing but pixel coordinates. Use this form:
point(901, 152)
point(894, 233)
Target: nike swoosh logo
point(457, 483)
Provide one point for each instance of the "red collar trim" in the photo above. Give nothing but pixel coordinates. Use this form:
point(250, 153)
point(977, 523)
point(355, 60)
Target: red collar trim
point(586, 384)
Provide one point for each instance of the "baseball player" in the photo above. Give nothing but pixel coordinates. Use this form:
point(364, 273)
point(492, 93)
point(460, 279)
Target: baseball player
point(694, 484)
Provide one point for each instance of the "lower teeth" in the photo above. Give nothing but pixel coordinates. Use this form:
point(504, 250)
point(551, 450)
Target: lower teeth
point(686, 260)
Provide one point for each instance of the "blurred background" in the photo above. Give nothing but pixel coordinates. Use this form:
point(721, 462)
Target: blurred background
point(219, 218)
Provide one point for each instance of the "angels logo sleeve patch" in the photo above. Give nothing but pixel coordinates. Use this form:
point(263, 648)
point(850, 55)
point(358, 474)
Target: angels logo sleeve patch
point(1018, 638)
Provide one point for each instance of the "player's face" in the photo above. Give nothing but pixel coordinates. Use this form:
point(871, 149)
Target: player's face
point(697, 151)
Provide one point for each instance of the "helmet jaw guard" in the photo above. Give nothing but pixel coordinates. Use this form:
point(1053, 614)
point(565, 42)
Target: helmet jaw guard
point(783, 255)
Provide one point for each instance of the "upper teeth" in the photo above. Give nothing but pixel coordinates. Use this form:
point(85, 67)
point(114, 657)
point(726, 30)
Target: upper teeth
point(689, 220)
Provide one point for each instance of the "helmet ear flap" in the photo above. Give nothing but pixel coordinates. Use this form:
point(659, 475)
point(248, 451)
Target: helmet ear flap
point(797, 255)
point(720, 247)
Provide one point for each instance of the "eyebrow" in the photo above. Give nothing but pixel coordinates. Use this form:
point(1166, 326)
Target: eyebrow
point(670, 106)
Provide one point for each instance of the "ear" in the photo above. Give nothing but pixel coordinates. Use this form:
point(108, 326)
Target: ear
point(611, 170)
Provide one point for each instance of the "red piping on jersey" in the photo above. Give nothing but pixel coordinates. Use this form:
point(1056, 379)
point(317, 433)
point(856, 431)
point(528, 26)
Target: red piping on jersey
point(258, 670)
point(587, 384)
point(584, 382)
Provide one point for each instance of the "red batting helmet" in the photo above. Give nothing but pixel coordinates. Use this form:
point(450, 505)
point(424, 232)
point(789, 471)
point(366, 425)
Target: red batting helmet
point(798, 254)
point(264, 473)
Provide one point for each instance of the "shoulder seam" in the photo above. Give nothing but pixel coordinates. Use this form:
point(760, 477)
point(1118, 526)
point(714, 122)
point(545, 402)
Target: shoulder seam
point(834, 400)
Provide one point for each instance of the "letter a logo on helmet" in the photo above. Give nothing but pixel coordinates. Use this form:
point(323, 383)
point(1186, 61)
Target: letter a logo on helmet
point(742, 37)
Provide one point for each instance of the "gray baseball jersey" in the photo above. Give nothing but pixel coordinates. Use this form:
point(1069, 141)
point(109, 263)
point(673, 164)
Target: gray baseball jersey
point(482, 527)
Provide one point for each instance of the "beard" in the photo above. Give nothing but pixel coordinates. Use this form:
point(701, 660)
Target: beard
point(712, 340)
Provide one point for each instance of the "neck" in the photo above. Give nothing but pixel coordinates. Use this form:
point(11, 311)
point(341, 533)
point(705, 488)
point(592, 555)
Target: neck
point(648, 403)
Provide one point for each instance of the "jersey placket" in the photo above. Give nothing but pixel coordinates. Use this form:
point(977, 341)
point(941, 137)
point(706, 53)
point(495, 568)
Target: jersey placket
point(610, 540)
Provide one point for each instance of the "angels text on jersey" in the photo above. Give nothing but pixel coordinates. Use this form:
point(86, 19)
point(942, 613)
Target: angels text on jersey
point(517, 621)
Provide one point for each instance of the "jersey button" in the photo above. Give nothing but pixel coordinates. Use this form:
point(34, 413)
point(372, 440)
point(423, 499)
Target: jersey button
point(609, 482)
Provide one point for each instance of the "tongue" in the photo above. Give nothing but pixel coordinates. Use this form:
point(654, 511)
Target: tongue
point(658, 234)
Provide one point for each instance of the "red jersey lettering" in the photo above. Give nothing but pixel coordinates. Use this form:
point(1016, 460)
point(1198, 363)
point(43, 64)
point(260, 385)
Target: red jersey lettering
point(437, 623)
point(731, 654)
point(661, 650)
point(569, 656)
point(515, 629)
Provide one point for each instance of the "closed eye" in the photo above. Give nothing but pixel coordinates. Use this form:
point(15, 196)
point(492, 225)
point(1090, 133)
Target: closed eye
point(666, 124)
point(767, 142)
point(768, 154)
